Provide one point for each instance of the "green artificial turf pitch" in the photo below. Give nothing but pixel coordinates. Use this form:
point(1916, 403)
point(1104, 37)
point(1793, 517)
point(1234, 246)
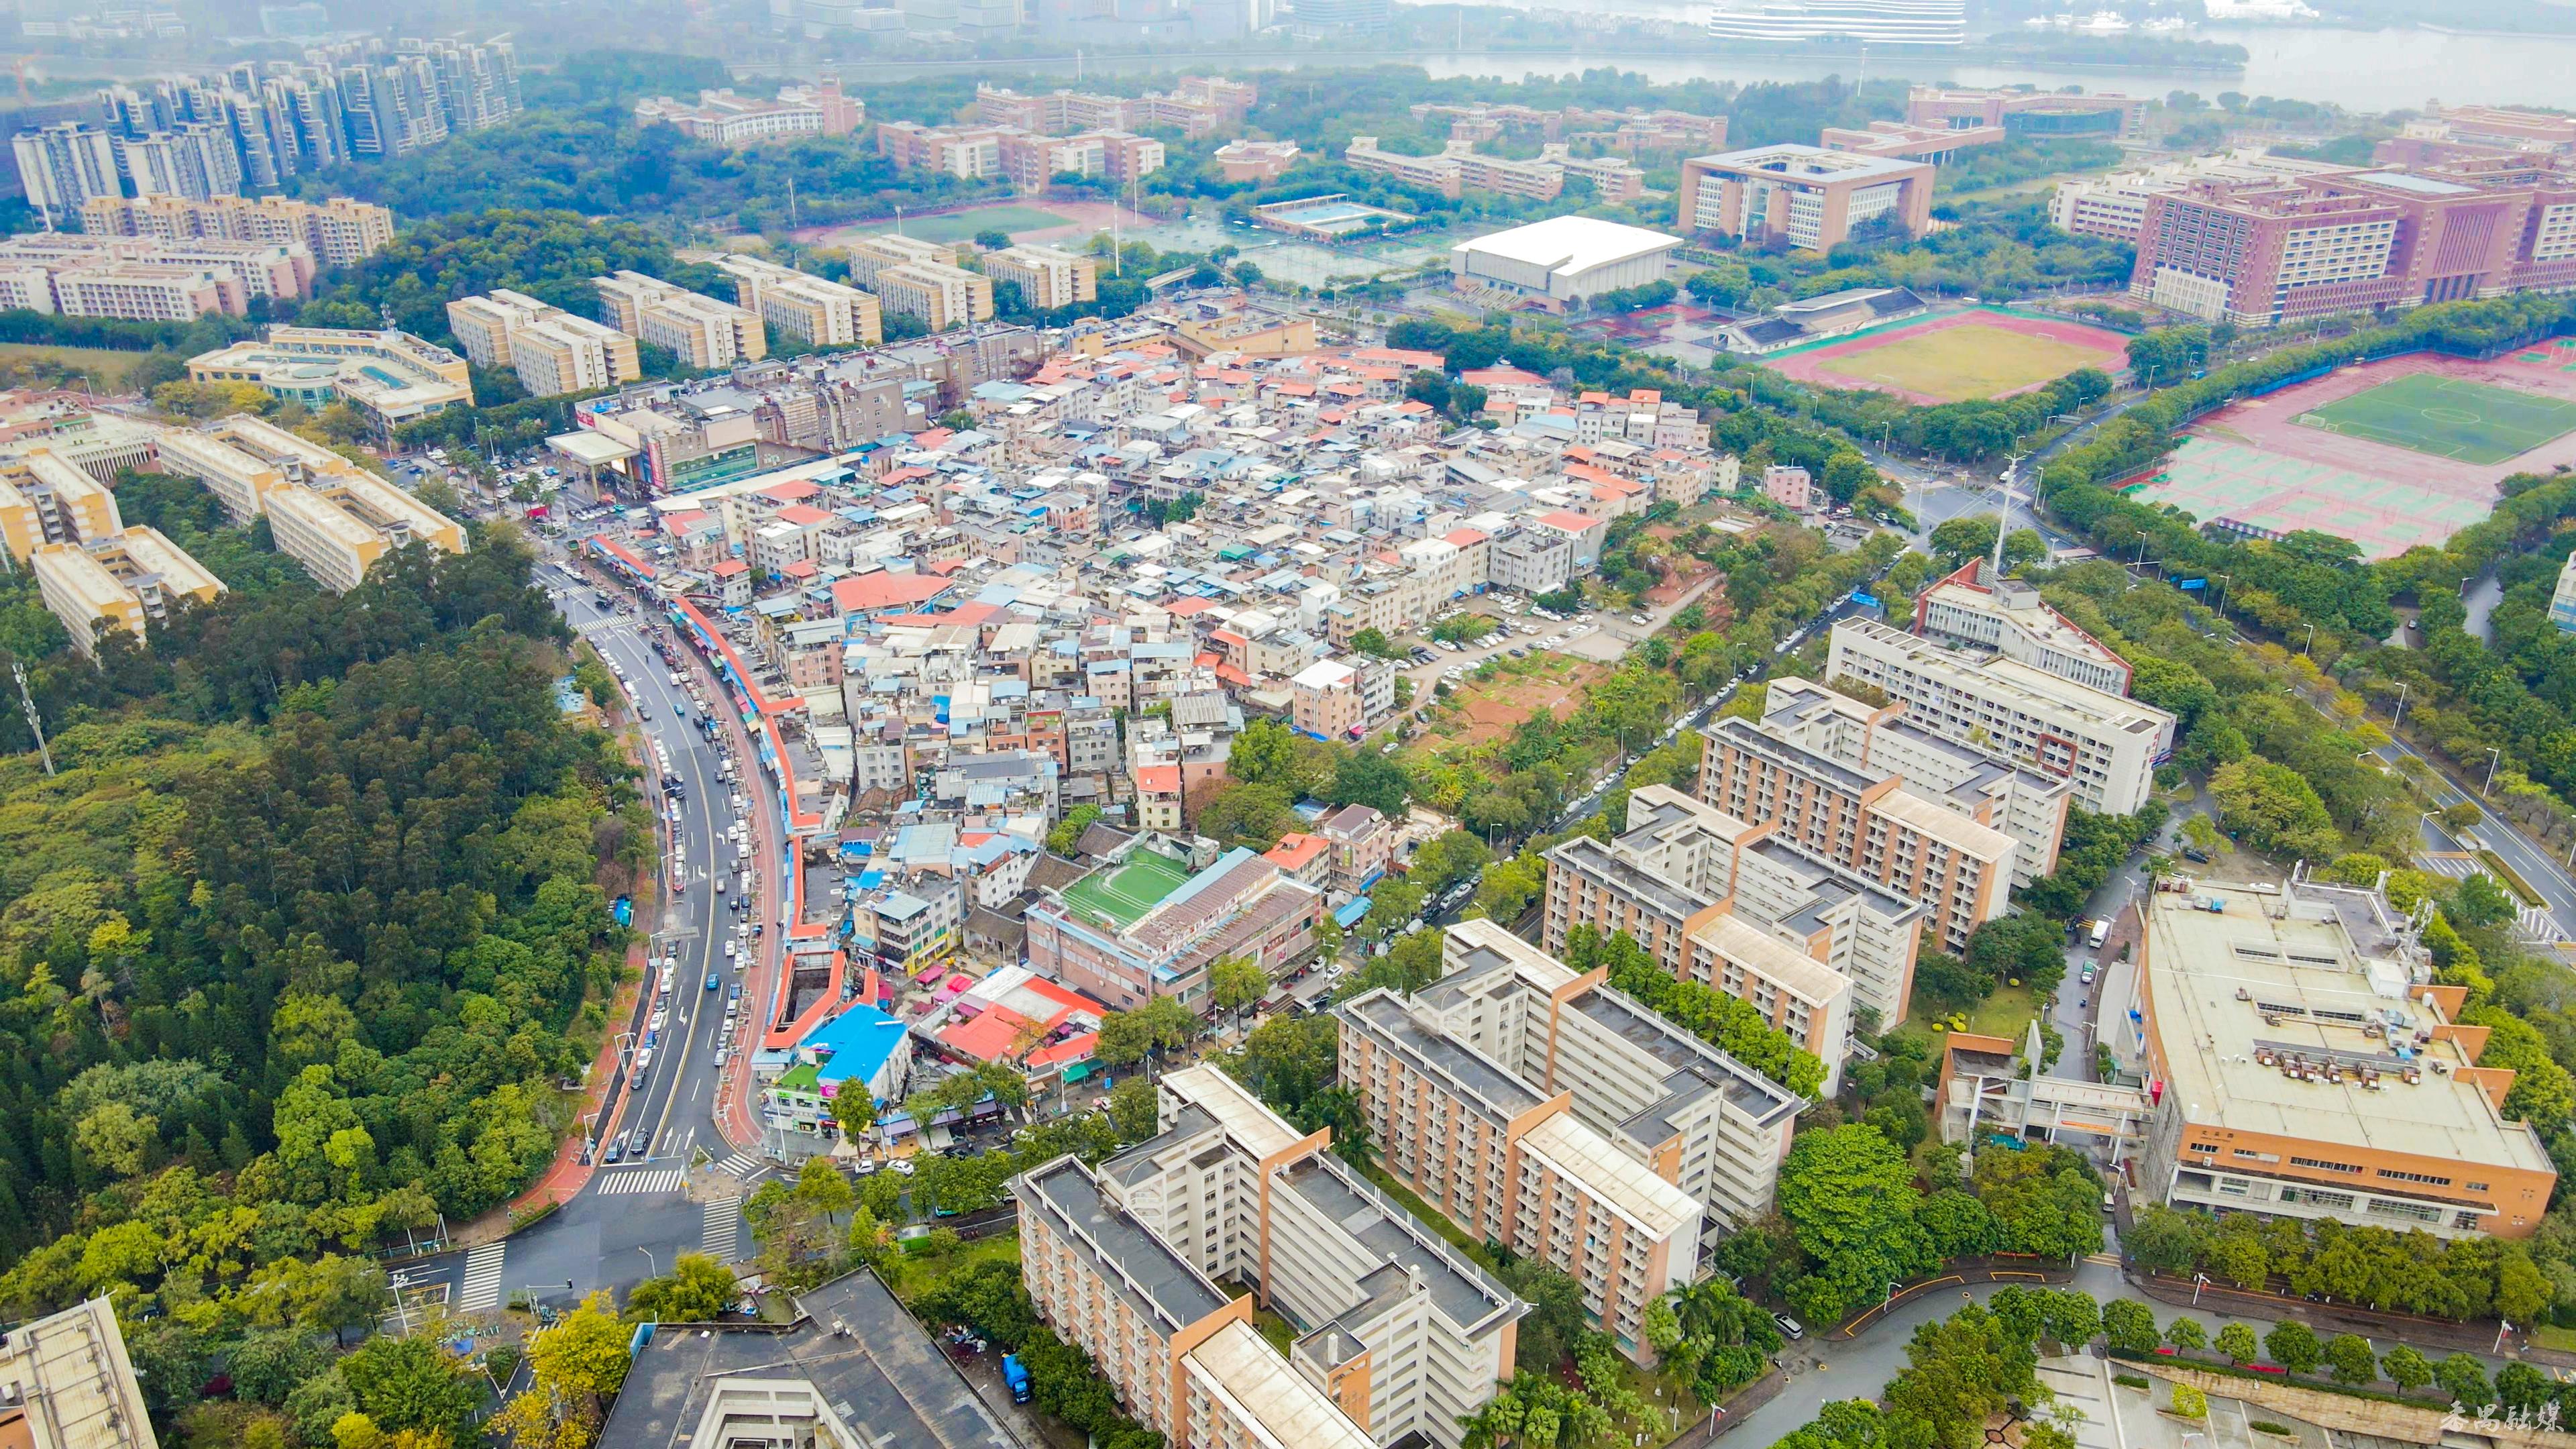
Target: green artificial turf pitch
point(2448, 417)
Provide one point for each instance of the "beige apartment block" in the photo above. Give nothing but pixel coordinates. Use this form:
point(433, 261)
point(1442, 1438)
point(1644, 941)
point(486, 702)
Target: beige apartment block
point(1184, 1357)
point(1715, 900)
point(1881, 739)
point(1046, 276)
point(822, 312)
point(552, 351)
point(1444, 1081)
point(67, 1383)
point(701, 331)
point(1874, 825)
point(482, 325)
point(872, 254)
point(338, 232)
point(940, 295)
point(127, 580)
point(1399, 1332)
point(339, 528)
point(564, 353)
point(44, 499)
point(2104, 745)
point(242, 459)
point(1703, 1121)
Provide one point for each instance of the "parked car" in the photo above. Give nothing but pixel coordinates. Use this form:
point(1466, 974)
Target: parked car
point(1790, 1328)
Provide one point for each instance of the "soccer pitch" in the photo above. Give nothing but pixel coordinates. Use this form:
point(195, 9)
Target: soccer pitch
point(1958, 363)
point(1124, 895)
point(2469, 422)
point(958, 226)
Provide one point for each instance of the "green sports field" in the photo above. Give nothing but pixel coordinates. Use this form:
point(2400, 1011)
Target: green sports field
point(1957, 363)
point(1123, 896)
point(962, 225)
point(2468, 422)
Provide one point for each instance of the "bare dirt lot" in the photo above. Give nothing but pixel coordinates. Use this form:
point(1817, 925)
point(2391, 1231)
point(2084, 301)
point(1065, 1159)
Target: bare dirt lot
point(1493, 710)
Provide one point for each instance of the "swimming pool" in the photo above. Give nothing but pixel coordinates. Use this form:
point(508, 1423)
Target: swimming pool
point(1324, 213)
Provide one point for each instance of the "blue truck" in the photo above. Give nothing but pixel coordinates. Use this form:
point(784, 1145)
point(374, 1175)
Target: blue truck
point(1017, 1377)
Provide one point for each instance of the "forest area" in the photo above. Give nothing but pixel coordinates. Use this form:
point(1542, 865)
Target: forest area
point(303, 940)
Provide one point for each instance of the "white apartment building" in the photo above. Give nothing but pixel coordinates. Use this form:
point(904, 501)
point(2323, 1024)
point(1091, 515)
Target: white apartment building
point(1511, 1162)
point(701, 331)
point(2106, 747)
point(1397, 1333)
point(338, 232)
point(1971, 610)
point(1047, 276)
point(814, 309)
point(145, 291)
point(2116, 205)
point(1530, 561)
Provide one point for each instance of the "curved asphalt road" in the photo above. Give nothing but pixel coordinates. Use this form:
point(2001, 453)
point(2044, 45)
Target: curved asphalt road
point(631, 1219)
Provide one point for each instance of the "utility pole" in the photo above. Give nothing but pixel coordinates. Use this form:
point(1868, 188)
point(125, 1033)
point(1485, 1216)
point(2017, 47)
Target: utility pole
point(35, 726)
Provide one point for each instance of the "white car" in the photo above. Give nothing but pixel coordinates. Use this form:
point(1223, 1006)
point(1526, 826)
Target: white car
point(900, 1167)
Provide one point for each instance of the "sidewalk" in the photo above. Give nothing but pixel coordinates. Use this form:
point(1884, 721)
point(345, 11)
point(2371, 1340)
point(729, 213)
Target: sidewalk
point(564, 1179)
point(2002, 1268)
point(2429, 1334)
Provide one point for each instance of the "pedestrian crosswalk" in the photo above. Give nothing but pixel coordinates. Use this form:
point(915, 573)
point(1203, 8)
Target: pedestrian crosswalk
point(2457, 865)
point(723, 1236)
point(741, 1167)
point(665, 1179)
point(2107, 1260)
point(482, 1286)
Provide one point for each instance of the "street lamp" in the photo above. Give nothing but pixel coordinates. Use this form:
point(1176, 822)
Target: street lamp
point(649, 1260)
point(2503, 1327)
point(2198, 1282)
point(2402, 686)
point(2310, 640)
point(2495, 757)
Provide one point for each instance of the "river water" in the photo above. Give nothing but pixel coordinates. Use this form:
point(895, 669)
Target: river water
point(2361, 70)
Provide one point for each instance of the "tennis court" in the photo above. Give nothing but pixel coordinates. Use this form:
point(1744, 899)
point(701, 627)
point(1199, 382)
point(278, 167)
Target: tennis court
point(2447, 417)
point(2234, 481)
point(1123, 895)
